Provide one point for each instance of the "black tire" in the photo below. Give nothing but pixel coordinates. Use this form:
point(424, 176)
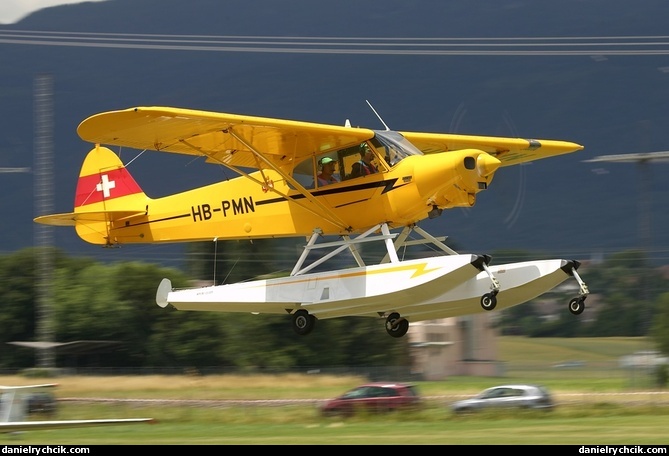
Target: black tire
point(488, 301)
point(577, 306)
point(396, 326)
point(303, 322)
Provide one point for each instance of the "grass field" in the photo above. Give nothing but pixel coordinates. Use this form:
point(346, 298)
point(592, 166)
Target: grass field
point(598, 404)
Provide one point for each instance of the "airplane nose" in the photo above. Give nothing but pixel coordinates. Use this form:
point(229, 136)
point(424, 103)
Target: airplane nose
point(486, 164)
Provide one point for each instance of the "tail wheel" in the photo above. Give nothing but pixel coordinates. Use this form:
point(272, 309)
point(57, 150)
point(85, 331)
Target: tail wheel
point(303, 322)
point(396, 326)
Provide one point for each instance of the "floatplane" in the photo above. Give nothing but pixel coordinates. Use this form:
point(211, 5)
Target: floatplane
point(317, 181)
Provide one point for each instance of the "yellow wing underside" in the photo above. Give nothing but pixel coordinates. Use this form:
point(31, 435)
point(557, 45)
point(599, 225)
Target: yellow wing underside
point(229, 138)
point(224, 138)
point(510, 151)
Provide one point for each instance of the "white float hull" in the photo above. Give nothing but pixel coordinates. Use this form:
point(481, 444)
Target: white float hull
point(422, 289)
point(518, 283)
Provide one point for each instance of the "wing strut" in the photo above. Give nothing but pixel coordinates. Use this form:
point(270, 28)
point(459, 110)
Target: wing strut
point(324, 212)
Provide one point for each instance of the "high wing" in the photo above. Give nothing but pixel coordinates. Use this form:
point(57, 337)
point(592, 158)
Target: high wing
point(23, 387)
point(283, 143)
point(510, 151)
point(18, 426)
point(234, 140)
point(14, 410)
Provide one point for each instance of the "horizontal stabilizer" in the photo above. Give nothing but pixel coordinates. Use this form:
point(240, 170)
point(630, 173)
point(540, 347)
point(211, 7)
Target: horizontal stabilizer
point(72, 218)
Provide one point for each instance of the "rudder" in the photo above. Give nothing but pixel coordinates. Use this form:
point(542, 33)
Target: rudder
point(105, 184)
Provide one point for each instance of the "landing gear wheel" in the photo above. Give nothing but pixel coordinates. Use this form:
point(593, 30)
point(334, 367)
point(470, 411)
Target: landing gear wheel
point(577, 305)
point(303, 322)
point(489, 301)
point(396, 326)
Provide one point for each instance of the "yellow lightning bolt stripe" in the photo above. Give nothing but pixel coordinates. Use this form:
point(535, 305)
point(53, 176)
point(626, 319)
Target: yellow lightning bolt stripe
point(419, 269)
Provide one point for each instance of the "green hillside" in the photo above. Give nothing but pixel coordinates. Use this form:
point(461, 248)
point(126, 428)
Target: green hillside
point(554, 350)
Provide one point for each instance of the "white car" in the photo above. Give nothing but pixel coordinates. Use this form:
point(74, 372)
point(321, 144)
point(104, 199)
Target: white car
point(507, 396)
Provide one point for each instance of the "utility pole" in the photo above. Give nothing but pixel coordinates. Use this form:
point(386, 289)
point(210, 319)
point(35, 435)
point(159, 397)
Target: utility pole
point(645, 209)
point(43, 188)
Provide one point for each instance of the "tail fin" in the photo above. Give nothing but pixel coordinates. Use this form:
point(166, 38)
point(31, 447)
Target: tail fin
point(106, 195)
point(106, 185)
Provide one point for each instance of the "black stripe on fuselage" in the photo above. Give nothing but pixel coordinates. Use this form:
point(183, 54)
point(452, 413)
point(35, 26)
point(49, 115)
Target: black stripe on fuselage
point(386, 185)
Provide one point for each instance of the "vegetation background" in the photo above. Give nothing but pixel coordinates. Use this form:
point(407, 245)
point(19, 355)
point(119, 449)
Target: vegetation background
point(597, 403)
point(116, 302)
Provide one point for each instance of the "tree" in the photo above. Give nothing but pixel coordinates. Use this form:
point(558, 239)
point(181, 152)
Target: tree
point(18, 297)
point(18, 294)
point(116, 302)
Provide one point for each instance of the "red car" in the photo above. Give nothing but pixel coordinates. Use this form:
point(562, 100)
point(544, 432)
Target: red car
point(373, 397)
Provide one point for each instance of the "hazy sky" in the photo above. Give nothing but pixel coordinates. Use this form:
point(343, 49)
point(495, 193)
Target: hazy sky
point(13, 10)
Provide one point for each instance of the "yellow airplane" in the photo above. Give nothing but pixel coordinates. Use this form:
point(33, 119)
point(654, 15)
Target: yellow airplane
point(383, 180)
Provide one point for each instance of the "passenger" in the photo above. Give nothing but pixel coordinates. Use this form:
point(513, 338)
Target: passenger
point(325, 177)
point(364, 166)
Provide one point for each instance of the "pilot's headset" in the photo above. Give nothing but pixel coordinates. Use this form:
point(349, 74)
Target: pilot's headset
point(325, 161)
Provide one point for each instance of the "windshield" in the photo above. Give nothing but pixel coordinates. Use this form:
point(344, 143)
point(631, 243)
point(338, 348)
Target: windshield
point(395, 146)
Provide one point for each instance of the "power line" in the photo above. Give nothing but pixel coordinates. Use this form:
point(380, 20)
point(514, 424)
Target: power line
point(435, 46)
point(14, 170)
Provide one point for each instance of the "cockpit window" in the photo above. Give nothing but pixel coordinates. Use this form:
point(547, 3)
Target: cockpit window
point(388, 147)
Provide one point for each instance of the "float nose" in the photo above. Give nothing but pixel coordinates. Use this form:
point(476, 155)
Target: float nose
point(486, 164)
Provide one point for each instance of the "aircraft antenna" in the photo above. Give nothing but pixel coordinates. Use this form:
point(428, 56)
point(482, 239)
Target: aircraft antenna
point(377, 115)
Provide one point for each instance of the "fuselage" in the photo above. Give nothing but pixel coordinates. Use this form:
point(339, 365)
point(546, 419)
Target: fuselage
point(242, 209)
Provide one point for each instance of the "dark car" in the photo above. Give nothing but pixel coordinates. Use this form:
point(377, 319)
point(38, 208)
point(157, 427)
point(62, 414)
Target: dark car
point(42, 403)
point(373, 398)
point(507, 396)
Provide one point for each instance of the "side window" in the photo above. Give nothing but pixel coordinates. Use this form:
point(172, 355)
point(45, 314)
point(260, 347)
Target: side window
point(366, 392)
point(349, 156)
point(345, 161)
point(307, 172)
point(377, 392)
point(352, 156)
point(388, 392)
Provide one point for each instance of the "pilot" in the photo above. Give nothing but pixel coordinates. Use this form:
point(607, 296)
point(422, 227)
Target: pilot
point(364, 166)
point(325, 177)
